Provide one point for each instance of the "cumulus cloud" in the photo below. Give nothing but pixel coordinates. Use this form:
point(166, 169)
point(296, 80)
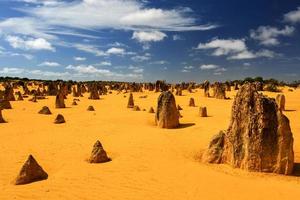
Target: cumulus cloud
point(224, 47)
point(293, 16)
point(148, 36)
point(235, 49)
point(49, 64)
point(268, 35)
point(208, 67)
point(29, 44)
point(92, 71)
point(116, 51)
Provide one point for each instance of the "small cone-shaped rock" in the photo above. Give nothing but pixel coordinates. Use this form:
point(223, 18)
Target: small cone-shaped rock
point(203, 112)
point(1, 117)
point(90, 108)
point(130, 101)
point(60, 100)
point(98, 154)
point(136, 108)
point(30, 172)
point(45, 111)
point(179, 107)
point(151, 110)
point(167, 115)
point(280, 100)
point(192, 102)
point(59, 119)
point(5, 104)
point(259, 136)
point(74, 103)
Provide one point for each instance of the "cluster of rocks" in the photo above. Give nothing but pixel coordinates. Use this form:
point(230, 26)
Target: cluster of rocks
point(31, 171)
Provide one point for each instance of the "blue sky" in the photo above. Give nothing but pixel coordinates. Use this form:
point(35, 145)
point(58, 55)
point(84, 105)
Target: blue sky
point(131, 40)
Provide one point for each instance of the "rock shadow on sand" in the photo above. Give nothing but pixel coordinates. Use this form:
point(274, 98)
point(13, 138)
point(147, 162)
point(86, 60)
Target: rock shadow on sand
point(185, 125)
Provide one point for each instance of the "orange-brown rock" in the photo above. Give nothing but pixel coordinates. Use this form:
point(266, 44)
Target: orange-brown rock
point(1, 117)
point(60, 100)
point(59, 119)
point(91, 108)
point(30, 172)
point(280, 100)
point(167, 115)
point(98, 154)
point(151, 110)
point(130, 103)
point(45, 111)
point(192, 102)
point(203, 111)
point(259, 137)
point(5, 104)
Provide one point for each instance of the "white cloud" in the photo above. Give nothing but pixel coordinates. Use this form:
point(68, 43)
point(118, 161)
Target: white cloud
point(4, 53)
point(90, 49)
point(235, 49)
point(293, 16)
point(268, 35)
point(29, 44)
point(49, 64)
point(12, 70)
point(250, 55)
point(40, 21)
point(160, 62)
point(188, 67)
point(177, 37)
point(42, 2)
point(105, 63)
point(79, 58)
point(208, 67)
point(148, 36)
point(116, 51)
point(141, 58)
point(224, 47)
point(91, 71)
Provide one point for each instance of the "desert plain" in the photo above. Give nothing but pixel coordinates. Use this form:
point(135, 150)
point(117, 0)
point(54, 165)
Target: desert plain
point(147, 162)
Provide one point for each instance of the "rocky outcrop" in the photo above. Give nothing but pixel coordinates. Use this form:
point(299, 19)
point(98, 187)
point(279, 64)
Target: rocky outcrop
point(60, 100)
point(167, 115)
point(280, 100)
point(259, 137)
point(219, 91)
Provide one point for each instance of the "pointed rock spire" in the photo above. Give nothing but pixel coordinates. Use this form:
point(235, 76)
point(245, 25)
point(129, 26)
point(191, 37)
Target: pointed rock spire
point(30, 172)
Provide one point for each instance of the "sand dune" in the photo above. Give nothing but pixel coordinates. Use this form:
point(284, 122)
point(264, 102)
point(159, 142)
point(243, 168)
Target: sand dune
point(147, 162)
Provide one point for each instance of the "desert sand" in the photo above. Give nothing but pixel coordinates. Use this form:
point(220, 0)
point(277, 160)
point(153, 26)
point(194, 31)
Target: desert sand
point(147, 162)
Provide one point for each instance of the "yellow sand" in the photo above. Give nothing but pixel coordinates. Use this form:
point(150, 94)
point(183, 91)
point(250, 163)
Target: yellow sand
point(147, 162)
